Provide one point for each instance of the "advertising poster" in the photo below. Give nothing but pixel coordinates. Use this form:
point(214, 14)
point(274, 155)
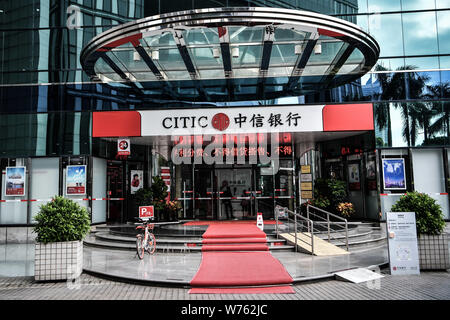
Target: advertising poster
point(76, 180)
point(402, 243)
point(353, 176)
point(137, 180)
point(394, 174)
point(15, 181)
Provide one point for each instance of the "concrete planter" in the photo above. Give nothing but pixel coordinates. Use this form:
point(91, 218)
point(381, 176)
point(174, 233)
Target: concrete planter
point(58, 260)
point(433, 252)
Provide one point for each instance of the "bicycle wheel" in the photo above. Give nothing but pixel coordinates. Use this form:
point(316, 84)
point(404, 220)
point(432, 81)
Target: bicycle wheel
point(140, 246)
point(151, 244)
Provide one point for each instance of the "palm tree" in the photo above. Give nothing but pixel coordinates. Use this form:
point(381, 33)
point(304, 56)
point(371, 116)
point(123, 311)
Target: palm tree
point(400, 85)
point(442, 109)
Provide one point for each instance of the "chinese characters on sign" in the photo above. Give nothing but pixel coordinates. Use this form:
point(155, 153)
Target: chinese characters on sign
point(273, 120)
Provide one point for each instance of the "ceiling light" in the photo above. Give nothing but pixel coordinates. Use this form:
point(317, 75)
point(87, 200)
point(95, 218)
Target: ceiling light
point(216, 53)
point(235, 52)
point(155, 55)
point(318, 48)
point(298, 49)
point(136, 56)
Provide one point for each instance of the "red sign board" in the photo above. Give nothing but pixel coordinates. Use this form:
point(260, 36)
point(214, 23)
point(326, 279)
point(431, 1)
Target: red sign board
point(146, 212)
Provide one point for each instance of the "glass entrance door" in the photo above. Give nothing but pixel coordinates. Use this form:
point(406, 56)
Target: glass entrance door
point(204, 193)
point(234, 199)
point(115, 188)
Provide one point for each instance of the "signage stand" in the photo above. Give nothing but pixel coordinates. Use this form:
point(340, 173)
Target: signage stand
point(402, 243)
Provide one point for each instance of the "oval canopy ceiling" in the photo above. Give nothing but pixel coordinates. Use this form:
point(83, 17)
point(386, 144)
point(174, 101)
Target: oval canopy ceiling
point(230, 54)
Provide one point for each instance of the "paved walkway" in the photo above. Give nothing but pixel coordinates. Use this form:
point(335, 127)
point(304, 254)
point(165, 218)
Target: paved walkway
point(427, 286)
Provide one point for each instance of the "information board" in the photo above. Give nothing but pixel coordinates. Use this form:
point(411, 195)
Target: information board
point(402, 243)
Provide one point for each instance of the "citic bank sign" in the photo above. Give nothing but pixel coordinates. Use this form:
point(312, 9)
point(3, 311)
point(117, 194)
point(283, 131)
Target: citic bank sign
point(210, 121)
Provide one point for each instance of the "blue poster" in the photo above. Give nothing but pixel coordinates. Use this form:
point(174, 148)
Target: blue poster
point(394, 174)
point(76, 180)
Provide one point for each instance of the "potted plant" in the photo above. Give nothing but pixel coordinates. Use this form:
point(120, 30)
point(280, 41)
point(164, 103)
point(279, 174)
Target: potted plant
point(156, 196)
point(61, 226)
point(346, 209)
point(430, 224)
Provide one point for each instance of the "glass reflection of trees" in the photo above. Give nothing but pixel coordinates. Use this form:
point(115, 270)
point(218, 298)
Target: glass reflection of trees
point(430, 116)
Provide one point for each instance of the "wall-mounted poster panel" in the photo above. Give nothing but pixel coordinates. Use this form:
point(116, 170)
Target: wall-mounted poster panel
point(15, 181)
point(137, 180)
point(76, 180)
point(394, 177)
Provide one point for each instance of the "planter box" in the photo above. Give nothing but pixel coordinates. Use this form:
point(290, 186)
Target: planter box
point(58, 260)
point(433, 252)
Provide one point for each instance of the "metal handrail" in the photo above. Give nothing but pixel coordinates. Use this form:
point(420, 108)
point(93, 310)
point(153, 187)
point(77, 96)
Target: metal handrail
point(309, 222)
point(329, 222)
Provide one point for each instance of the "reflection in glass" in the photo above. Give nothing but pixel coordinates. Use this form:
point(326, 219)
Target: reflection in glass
point(383, 5)
point(422, 124)
point(419, 31)
point(387, 29)
point(443, 18)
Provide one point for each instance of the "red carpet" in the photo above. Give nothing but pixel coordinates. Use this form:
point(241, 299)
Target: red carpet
point(207, 222)
point(226, 269)
point(235, 256)
point(233, 240)
point(237, 230)
point(236, 247)
point(249, 290)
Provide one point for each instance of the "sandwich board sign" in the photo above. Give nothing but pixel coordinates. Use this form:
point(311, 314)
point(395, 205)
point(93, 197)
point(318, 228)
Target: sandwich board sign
point(260, 221)
point(402, 243)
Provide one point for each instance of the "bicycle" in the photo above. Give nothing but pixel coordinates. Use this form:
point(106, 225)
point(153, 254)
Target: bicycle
point(145, 242)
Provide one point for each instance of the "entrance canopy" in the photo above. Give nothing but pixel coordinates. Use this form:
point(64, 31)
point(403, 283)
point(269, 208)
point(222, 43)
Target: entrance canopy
point(230, 54)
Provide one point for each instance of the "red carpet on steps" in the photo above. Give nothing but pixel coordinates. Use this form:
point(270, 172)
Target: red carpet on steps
point(207, 223)
point(236, 259)
point(230, 230)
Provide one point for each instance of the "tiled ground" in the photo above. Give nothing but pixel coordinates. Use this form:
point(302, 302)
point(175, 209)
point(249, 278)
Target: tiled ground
point(427, 286)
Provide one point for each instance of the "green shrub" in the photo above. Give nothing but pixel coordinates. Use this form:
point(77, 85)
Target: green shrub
point(61, 220)
point(429, 216)
point(329, 193)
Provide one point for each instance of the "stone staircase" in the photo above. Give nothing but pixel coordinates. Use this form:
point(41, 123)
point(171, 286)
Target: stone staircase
point(362, 236)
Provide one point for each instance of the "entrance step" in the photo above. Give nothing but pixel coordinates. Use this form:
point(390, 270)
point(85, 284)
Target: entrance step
point(321, 247)
point(189, 244)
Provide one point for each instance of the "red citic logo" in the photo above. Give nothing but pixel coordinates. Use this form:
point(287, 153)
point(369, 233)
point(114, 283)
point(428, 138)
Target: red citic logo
point(220, 121)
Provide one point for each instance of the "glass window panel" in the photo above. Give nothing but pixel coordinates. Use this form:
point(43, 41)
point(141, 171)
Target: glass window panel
point(290, 35)
point(420, 33)
point(99, 190)
point(383, 5)
point(170, 59)
point(443, 20)
point(201, 36)
point(389, 64)
point(363, 22)
point(245, 34)
point(362, 6)
point(160, 40)
point(442, 4)
point(44, 182)
point(387, 30)
point(423, 63)
point(204, 57)
point(433, 182)
point(283, 54)
point(248, 56)
point(417, 4)
point(444, 62)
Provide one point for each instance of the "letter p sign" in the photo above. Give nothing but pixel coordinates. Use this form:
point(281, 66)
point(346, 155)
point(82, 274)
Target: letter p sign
point(146, 213)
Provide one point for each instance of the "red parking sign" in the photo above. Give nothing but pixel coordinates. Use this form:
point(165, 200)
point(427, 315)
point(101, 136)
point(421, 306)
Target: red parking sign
point(146, 212)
